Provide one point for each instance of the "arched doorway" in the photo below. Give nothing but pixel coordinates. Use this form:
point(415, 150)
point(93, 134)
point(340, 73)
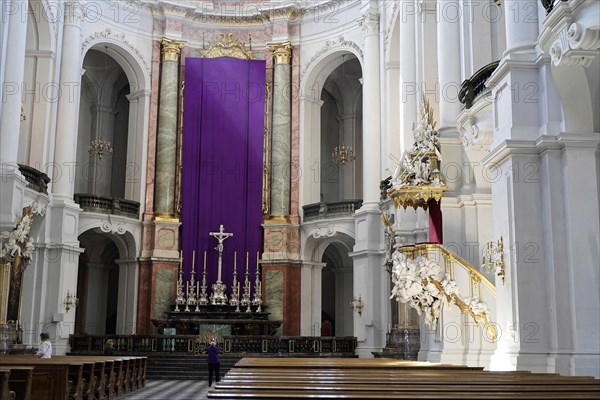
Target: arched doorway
point(106, 283)
point(336, 290)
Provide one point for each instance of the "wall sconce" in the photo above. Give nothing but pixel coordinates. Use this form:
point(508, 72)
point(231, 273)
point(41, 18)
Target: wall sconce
point(357, 305)
point(493, 259)
point(70, 301)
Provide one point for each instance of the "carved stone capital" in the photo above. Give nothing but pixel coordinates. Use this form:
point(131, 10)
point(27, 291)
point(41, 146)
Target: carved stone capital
point(369, 23)
point(74, 13)
point(171, 49)
point(282, 52)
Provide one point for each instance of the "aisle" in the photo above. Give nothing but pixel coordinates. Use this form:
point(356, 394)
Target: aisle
point(170, 390)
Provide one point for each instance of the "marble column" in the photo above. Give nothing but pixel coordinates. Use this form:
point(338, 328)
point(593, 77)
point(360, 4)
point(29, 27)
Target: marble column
point(10, 118)
point(409, 88)
point(281, 134)
point(449, 69)
point(371, 111)
point(166, 139)
point(68, 103)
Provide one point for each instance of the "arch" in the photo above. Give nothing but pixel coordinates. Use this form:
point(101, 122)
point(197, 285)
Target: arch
point(323, 65)
point(314, 248)
point(105, 272)
point(129, 60)
point(317, 71)
point(137, 73)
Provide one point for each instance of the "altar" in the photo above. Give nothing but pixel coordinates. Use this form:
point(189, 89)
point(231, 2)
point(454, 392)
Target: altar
point(234, 312)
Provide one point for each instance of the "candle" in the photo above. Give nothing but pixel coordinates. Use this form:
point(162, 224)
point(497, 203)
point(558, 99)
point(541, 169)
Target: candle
point(235, 261)
point(197, 289)
point(257, 255)
point(205, 261)
point(187, 290)
point(246, 263)
point(238, 291)
point(194, 260)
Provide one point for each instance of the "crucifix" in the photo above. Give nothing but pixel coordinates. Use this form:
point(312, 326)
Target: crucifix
point(220, 236)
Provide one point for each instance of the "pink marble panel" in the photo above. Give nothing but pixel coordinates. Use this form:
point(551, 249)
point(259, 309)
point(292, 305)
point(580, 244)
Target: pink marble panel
point(295, 154)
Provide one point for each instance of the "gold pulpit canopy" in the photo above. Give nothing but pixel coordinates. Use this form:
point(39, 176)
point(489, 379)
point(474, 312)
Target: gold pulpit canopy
point(228, 46)
point(417, 178)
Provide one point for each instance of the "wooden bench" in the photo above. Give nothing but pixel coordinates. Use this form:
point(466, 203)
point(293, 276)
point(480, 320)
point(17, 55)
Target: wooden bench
point(52, 379)
point(5, 393)
point(19, 382)
point(390, 379)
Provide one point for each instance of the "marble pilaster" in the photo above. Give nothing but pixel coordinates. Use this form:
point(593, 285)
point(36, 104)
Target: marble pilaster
point(166, 140)
point(281, 132)
point(10, 118)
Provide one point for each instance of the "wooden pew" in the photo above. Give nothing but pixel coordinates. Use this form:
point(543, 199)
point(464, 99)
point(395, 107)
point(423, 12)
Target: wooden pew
point(20, 381)
point(4, 377)
point(52, 379)
point(390, 379)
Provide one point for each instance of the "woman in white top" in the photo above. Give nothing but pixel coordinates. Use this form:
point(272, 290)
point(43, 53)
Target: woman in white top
point(45, 349)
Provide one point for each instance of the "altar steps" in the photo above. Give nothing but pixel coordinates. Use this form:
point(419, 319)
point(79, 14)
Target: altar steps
point(187, 367)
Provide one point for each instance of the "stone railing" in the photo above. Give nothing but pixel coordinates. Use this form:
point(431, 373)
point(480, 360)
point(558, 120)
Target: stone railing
point(471, 88)
point(186, 344)
point(38, 180)
point(108, 205)
point(325, 210)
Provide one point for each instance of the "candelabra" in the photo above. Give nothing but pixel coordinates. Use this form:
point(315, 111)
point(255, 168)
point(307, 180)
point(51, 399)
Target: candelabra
point(192, 290)
point(257, 301)
point(493, 259)
point(357, 305)
point(235, 295)
point(203, 297)
point(179, 297)
point(246, 296)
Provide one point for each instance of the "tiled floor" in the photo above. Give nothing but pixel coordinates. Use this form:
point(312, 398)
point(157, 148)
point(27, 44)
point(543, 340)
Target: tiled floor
point(170, 390)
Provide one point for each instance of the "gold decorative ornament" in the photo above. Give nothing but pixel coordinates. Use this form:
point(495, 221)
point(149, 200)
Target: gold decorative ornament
point(100, 148)
point(343, 154)
point(171, 49)
point(417, 178)
point(282, 52)
point(228, 46)
point(166, 217)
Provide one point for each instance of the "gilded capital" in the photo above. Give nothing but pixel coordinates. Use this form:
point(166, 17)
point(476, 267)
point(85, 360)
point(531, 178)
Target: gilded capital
point(171, 49)
point(282, 52)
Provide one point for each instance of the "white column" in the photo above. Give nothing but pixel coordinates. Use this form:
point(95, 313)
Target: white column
point(317, 296)
point(521, 19)
point(128, 294)
point(409, 87)
point(310, 110)
point(68, 102)
point(449, 69)
point(10, 116)
point(371, 111)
